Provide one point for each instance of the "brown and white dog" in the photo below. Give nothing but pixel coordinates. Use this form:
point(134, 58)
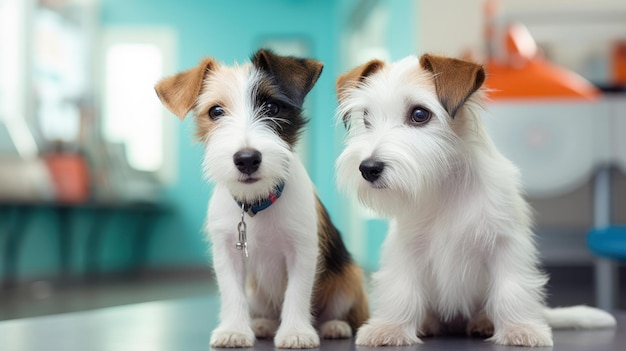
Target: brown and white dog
point(460, 247)
point(278, 259)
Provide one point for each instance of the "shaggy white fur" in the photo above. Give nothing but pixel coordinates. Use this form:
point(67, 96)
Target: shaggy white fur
point(460, 244)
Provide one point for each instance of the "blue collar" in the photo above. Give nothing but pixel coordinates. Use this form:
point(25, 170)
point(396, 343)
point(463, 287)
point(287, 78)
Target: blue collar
point(261, 205)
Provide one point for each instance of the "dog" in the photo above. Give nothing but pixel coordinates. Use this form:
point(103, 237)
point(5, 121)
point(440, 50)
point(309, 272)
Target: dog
point(278, 259)
point(459, 252)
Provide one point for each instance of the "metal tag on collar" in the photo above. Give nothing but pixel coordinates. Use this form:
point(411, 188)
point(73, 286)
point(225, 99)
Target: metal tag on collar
point(242, 244)
point(250, 212)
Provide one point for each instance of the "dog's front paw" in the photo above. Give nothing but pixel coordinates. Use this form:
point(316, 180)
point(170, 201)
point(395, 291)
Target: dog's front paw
point(533, 335)
point(386, 335)
point(232, 338)
point(296, 339)
point(264, 328)
point(480, 326)
point(335, 329)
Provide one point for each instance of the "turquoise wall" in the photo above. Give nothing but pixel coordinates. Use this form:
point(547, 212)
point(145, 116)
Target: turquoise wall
point(402, 30)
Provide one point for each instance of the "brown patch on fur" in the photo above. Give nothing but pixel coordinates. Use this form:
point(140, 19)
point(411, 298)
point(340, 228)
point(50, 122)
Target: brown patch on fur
point(346, 285)
point(455, 80)
point(353, 77)
point(222, 87)
point(179, 92)
point(338, 276)
point(204, 126)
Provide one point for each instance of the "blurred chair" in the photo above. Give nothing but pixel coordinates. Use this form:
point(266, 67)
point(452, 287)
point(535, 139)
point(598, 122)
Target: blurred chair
point(609, 242)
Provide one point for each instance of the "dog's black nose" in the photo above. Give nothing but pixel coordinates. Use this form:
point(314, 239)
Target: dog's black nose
point(247, 161)
point(371, 169)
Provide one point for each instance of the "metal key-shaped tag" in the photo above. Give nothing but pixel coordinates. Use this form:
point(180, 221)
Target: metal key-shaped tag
point(242, 244)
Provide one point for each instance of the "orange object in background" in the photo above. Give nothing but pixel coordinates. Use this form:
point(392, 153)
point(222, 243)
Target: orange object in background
point(619, 64)
point(523, 73)
point(70, 175)
point(536, 79)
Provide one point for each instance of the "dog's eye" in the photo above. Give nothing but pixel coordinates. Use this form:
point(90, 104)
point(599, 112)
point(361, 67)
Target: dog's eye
point(419, 115)
point(271, 109)
point(216, 112)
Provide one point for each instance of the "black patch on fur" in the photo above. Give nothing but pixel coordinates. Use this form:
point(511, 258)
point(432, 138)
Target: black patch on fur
point(295, 76)
point(289, 122)
point(334, 256)
point(287, 81)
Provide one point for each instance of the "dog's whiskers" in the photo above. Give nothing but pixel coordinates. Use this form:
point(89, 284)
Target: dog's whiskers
point(275, 120)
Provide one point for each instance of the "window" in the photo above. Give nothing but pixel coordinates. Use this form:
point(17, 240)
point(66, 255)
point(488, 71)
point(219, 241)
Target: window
point(134, 60)
point(15, 134)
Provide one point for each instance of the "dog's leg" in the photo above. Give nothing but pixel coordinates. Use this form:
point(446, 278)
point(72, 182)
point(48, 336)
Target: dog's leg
point(515, 300)
point(343, 302)
point(333, 324)
point(336, 329)
point(431, 326)
point(234, 329)
point(399, 312)
point(296, 330)
point(480, 326)
point(265, 317)
point(264, 328)
point(399, 299)
point(265, 321)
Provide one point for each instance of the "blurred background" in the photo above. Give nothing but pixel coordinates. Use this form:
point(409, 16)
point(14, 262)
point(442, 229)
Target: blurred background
point(101, 196)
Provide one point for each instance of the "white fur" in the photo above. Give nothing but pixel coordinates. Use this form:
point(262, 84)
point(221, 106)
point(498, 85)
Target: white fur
point(578, 317)
point(282, 240)
point(460, 242)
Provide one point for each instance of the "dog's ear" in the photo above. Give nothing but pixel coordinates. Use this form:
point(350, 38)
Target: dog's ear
point(295, 76)
point(455, 80)
point(352, 78)
point(179, 92)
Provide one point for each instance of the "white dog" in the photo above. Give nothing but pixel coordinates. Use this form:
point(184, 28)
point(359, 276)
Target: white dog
point(460, 249)
point(278, 259)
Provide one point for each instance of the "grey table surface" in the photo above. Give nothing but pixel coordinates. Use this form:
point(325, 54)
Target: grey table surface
point(186, 324)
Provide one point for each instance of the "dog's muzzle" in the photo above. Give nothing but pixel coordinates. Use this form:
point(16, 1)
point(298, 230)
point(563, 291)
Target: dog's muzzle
point(371, 169)
point(247, 161)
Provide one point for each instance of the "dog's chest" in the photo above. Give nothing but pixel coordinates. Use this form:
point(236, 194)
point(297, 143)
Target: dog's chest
point(455, 273)
point(267, 237)
point(271, 245)
point(266, 262)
